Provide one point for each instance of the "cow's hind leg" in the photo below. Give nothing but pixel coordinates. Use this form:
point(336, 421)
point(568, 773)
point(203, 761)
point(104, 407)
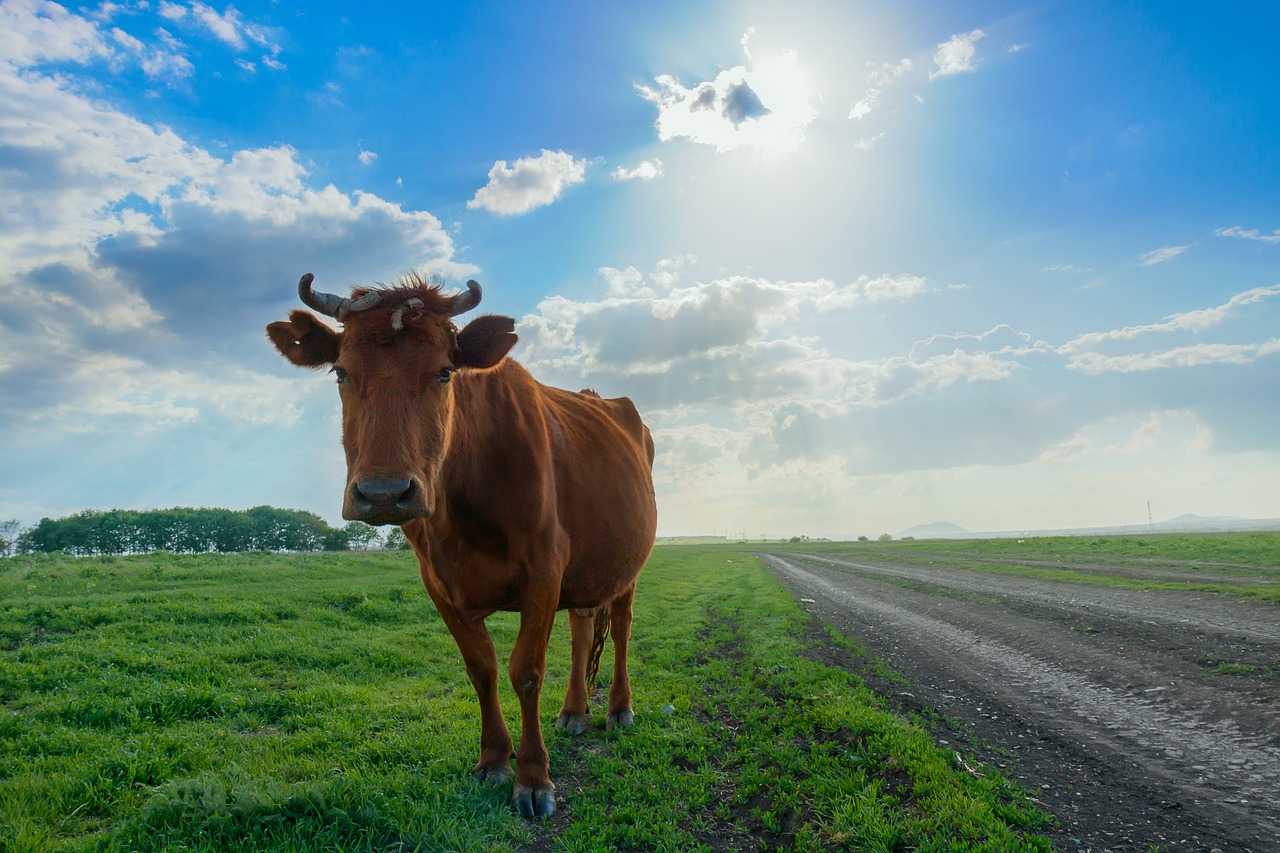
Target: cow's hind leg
point(574, 715)
point(620, 713)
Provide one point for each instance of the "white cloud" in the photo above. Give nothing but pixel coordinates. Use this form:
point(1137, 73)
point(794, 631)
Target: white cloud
point(1124, 436)
point(1157, 427)
point(172, 11)
point(955, 56)
point(1193, 321)
point(670, 271)
point(366, 158)
point(766, 106)
point(1094, 353)
point(532, 182)
point(107, 392)
point(880, 78)
point(866, 143)
point(1194, 355)
point(34, 32)
point(1000, 340)
point(126, 41)
point(744, 400)
point(645, 170)
point(155, 63)
point(709, 340)
point(108, 213)
point(628, 282)
point(227, 27)
point(1250, 234)
point(1161, 256)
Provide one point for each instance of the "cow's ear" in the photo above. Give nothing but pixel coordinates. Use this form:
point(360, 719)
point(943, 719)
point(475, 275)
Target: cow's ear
point(304, 340)
point(485, 341)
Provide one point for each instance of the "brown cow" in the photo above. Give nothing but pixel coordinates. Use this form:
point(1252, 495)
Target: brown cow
point(514, 495)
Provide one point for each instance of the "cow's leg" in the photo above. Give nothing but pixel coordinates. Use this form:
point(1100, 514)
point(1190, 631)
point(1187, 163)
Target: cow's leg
point(482, 668)
point(573, 715)
point(472, 637)
point(533, 793)
point(620, 713)
point(496, 748)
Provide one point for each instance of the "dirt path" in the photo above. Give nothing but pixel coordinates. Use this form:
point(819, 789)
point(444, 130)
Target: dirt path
point(1108, 704)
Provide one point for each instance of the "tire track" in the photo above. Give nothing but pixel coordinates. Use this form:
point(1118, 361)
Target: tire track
point(1258, 623)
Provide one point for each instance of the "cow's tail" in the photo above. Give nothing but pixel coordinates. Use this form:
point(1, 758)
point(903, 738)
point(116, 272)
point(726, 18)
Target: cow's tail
point(598, 636)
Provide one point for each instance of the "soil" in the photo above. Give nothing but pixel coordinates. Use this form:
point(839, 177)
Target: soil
point(1140, 719)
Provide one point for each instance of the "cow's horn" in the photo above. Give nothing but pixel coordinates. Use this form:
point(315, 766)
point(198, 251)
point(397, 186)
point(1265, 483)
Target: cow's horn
point(397, 316)
point(464, 302)
point(330, 304)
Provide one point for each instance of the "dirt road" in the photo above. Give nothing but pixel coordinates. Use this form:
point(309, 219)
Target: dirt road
point(1141, 719)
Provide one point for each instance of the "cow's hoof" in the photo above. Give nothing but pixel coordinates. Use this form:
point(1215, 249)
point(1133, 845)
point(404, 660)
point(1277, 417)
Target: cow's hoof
point(622, 719)
point(574, 724)
point(530, 803)
point(498, 774)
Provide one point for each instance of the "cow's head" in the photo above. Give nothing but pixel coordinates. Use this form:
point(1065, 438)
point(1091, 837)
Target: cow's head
point(394, 362)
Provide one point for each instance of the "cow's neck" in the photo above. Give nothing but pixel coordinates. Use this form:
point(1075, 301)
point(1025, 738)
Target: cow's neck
point(499, 432)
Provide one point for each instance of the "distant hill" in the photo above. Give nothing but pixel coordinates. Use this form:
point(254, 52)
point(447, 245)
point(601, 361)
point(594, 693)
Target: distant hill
point(1199, 523)
point(1181, 524)
point(936, 530)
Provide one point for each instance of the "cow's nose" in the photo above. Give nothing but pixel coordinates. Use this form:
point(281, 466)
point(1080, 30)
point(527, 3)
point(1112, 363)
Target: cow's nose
point(376, 495)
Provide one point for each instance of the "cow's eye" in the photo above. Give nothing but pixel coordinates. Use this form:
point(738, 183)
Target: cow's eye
point(445, 374)
point(339, 374)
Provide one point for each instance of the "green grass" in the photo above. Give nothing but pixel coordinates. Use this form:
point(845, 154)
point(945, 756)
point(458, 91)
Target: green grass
point(1228, 668)
point(1259, 550)
point(304, 702)
point(1090, 560)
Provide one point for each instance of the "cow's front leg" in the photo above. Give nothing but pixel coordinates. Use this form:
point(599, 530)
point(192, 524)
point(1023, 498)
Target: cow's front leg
point(472, 637)
point(495, 741)
point(533, 794)
point(482, 668)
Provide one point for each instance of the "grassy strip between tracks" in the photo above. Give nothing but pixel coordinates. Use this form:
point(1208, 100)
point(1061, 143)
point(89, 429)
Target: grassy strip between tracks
point(312, 702)
point(1084, 560)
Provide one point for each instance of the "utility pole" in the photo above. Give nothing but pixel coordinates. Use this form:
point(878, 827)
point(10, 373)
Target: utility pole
point(1151, 527)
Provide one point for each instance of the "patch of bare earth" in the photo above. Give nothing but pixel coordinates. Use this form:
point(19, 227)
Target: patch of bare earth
point(1113, 707)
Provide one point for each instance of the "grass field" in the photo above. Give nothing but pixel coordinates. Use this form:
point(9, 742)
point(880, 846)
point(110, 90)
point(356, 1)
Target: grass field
point(316, 702)
point(1202, 560)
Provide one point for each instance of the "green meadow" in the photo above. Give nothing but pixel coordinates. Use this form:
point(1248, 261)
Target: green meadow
point(1246, 565)
point(316, 702)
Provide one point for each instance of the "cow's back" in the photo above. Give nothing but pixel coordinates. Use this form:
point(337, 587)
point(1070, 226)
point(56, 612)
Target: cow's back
point(603, 457)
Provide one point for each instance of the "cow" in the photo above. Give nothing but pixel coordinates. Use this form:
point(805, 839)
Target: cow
point(514, 495)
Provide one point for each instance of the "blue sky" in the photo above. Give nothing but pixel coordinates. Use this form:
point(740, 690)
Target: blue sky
point(861, 265)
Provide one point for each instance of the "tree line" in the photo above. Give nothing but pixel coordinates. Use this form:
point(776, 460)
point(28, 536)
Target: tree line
point(190, 531)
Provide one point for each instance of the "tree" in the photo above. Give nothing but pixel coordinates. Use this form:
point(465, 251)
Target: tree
point(361, 535)
point(10, 530)
point(885, 537)
point(181, 530)
point(395, 540)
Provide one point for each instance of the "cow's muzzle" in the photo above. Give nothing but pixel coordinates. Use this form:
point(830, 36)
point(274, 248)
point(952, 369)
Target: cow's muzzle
point(385, 501)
